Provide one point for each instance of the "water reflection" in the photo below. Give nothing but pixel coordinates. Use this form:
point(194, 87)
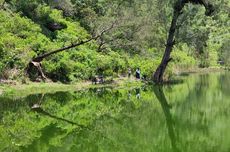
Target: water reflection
point(158, 91)
point(129, 94)
point(37, 107)
point(43, 112)
point(189, 117)
point(138, 93)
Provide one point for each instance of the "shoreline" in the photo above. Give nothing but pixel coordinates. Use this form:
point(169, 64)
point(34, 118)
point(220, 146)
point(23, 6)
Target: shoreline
point(22, 90)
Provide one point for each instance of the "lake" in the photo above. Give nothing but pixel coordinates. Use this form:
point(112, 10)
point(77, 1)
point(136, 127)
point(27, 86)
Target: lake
point(189, 116)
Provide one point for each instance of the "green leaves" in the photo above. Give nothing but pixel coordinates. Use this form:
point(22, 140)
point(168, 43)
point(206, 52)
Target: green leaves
point(136, 40)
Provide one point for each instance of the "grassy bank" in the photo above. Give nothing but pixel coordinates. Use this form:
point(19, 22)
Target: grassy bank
point(22, 90)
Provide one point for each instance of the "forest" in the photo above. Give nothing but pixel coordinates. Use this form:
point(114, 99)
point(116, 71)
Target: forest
point(114, 75)
point(105, 37)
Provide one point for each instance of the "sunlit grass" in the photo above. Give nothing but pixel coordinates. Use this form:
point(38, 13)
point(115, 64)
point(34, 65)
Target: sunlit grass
point(22, 90)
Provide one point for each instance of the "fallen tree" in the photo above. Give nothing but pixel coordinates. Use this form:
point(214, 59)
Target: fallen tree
point(34, 67)
point(179, 5)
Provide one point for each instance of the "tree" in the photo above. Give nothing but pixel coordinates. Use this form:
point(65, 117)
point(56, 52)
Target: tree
point(179, 5)
point(34, 65)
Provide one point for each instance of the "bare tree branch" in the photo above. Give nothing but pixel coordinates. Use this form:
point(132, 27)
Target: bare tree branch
point(41, 57)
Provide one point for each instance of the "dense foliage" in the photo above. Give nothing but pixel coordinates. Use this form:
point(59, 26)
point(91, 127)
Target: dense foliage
point(136, 37)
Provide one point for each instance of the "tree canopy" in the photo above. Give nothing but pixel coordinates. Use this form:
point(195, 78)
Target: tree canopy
point(136, 37)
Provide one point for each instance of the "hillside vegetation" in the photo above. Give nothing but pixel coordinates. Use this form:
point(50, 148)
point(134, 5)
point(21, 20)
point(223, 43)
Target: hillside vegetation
point(132, 34)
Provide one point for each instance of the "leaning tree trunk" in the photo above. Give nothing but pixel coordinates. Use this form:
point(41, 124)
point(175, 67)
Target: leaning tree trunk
point(158, 76)
point(159, 73)
point(34, 67)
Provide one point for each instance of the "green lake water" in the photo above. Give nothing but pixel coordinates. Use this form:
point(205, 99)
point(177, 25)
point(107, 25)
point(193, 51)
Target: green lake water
point(190, 116)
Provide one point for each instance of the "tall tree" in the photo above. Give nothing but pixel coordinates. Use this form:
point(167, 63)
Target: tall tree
point(179, 5)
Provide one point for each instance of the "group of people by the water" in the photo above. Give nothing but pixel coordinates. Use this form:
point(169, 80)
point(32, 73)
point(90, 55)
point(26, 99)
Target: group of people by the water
point(137, 73)
point(138, 76)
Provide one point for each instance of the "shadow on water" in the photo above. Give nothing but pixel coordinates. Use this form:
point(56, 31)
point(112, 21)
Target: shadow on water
point(158, 91)
point(37, 107)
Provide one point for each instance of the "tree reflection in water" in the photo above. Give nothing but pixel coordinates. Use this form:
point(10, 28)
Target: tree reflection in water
point(37, 108)
point(158, 91)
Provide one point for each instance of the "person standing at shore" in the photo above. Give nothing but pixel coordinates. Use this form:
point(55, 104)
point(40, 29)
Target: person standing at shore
point(138, 73)
point(129, 72)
